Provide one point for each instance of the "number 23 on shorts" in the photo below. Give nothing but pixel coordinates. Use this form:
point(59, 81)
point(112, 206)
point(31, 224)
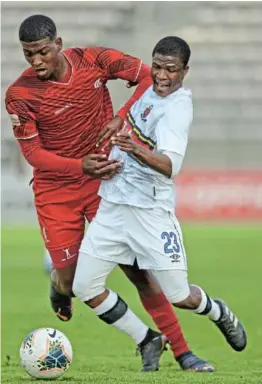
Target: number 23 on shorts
point(171, 244)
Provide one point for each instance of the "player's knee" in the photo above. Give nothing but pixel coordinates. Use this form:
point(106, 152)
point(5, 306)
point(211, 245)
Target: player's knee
point(193, 300)
point(179, 297)
point(174, 285)
point(188, 302)
point(88, 288)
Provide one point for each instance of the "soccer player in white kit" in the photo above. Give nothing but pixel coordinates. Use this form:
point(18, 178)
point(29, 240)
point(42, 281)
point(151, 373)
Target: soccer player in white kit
point(136, 221)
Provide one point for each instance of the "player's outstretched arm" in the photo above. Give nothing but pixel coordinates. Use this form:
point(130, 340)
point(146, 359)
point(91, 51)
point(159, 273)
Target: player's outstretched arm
point(94, 165)
point(26, 132)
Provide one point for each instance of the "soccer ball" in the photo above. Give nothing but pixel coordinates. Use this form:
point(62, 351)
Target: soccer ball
point(46, 353)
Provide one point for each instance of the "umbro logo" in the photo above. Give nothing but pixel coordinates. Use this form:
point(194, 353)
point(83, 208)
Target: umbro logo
point(97, 83)
point(175, 258)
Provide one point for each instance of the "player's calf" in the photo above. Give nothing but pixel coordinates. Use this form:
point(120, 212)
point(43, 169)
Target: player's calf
point(61, 293)
point(219, 313)
point(113, 310)
point(175, 286)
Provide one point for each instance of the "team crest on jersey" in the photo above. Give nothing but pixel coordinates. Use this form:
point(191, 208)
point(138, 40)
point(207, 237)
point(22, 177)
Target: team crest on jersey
point(146, 113)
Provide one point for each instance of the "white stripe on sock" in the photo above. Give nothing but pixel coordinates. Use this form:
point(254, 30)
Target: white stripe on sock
point(214, 312)
point(107, 304)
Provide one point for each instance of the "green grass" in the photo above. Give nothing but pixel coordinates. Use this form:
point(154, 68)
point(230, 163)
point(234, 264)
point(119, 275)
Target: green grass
point(226, 261)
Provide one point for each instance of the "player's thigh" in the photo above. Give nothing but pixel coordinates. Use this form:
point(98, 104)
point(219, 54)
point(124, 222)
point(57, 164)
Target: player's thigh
point(156, 238)
point(106, 235)
point(62, 226)
point(143, 280)
point(90, 276)
point(91, 199)
point(174, 284)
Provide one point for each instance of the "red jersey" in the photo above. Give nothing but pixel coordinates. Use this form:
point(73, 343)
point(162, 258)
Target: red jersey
point(57, 123)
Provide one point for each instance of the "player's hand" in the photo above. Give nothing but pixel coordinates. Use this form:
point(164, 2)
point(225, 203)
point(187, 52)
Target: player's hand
point(98, 166)
point(109, 175)
point(109, 130)
point(124, 142)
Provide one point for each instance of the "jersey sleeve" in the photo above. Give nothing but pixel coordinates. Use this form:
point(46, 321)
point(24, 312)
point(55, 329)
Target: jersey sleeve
point(22, 119)
point(118, 65)
point(173, 128)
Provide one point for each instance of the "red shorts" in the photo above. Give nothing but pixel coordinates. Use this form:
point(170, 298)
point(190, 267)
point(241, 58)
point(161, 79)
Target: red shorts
point(62, 213)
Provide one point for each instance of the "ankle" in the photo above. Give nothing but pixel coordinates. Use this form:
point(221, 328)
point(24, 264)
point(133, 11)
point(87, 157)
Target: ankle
point(151, 334)
point(183, 355)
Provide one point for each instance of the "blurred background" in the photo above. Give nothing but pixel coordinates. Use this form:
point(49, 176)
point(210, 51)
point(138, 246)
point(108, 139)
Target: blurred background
point(222, 176)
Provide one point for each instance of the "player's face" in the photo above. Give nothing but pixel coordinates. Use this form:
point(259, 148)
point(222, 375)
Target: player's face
point(167, 74)
point(43, 56)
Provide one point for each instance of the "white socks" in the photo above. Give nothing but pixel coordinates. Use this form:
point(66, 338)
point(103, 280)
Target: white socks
point(132, 325)
point(208, 307)
point(126, 320)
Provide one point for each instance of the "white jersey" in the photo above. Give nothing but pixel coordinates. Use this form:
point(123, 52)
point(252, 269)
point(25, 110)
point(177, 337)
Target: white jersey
point(160, 124)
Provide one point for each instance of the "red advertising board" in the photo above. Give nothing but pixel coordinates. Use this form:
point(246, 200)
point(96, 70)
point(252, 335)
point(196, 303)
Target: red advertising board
point(215, 195)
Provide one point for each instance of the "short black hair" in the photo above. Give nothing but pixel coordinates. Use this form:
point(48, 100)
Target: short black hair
point(37, 27)
point(173, 46)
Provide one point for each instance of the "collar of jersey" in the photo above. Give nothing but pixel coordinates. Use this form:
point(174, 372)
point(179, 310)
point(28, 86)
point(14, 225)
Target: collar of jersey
point(156, 96)
point(72, 70)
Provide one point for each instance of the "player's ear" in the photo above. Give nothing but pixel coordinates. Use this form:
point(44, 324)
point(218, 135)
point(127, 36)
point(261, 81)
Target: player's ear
point(59, 44)
point(186, 71)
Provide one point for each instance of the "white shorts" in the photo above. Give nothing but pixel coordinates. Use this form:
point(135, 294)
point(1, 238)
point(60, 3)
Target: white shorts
point(91, 275)
point(122, 233)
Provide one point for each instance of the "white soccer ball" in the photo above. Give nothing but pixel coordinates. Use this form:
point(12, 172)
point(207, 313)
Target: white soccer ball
point(46, 353)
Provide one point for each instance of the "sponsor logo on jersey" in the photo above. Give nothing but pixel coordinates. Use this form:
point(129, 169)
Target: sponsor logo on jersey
point(97, 83)
point(61, 110)
point(15, 120)
point(146, 113)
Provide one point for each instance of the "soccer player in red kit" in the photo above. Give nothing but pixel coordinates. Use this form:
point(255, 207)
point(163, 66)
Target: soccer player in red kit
point(60, 109)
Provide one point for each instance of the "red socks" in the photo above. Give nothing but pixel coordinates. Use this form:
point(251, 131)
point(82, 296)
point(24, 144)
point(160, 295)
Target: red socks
point(166, 321)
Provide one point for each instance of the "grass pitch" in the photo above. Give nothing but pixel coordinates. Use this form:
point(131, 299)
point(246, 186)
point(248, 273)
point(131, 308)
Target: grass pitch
point(226, 261)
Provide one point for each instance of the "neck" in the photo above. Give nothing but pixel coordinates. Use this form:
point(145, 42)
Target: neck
point(61, 68)
point(178, 86)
